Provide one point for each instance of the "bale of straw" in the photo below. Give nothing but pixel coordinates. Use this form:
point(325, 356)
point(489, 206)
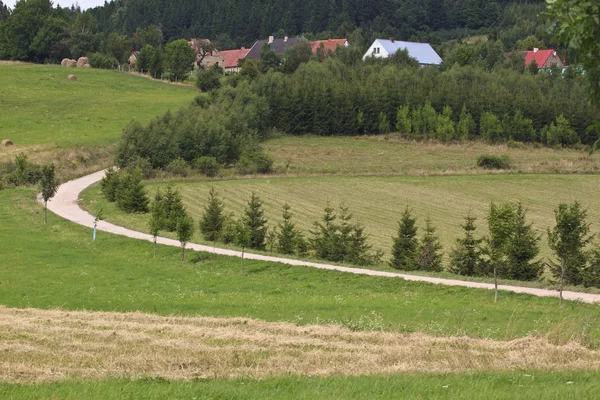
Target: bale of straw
point(7, 143)
point(71, 63)
point(72, 78)
point(82, 61)
point(64, 62)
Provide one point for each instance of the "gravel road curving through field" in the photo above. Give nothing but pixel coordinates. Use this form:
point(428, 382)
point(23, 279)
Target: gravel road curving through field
point(65, 204)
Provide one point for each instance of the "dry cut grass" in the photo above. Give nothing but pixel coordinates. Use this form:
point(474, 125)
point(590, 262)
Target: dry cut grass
point(39, 345)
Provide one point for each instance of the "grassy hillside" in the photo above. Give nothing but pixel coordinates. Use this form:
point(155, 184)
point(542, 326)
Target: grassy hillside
point(39, 106)
point(377, 202)
point(57, 265)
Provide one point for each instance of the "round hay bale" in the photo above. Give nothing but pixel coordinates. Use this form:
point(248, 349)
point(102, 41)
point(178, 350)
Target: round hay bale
point(71, 63)
point(82, 61)
point(7, 143)
point(87, 66)
point(64, 62)
point(72, 78)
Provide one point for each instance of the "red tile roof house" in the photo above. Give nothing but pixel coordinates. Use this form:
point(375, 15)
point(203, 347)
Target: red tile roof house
point(232, 58)
point(543, 58)
point(327, 46)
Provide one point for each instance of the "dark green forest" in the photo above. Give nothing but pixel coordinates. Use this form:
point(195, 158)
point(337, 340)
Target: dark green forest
point(38, 32)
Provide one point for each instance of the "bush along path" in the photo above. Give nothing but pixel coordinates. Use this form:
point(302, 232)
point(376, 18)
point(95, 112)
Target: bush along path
point(65, 204)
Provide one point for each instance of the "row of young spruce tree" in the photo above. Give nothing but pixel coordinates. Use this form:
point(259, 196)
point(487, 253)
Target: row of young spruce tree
point(510, 250)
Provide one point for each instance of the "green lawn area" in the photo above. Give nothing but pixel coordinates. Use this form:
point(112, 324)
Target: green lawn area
point(377, 202)
point(508, 385)
point(392, 155)
point(39, 106)
point(58, 265)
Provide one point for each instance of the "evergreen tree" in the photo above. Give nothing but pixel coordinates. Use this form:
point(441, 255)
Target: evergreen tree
point(430, 258)
point(211, 223)
point(465, 258)
point(568, 240)
point(287, 234)
point(184, 230)
point(131, 195)
point(173, 208)
point(110, 185)
point(405, 247)
point(522, 248)
point(255, 221)
point(324, 238)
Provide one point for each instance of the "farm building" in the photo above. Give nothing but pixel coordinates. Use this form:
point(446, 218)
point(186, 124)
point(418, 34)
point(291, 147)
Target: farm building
point(422, 52)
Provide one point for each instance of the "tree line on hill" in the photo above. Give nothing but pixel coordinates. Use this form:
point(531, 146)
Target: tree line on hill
point(35, 31)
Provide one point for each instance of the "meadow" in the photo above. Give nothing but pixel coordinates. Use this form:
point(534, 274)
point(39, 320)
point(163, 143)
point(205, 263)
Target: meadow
point(39, 106)
point(58, 265)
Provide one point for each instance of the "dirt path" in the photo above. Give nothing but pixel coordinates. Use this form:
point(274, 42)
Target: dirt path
point(54, 345)
point(65, 204)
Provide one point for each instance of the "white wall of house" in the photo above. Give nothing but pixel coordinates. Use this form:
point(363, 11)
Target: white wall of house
point(376, 50)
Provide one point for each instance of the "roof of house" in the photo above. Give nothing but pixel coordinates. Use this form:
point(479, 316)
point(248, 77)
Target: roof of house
point(422, 52)
point(540, 56)
point(328, 45)
point(278, 45)
point(232, 56)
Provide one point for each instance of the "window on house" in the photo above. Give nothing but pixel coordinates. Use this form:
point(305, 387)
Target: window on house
point(375, 50)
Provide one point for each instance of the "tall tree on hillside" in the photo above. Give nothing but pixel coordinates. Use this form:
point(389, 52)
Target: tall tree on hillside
point(179, 59)
point(118, 46)
point(49, 185)
point(22, 26)
point(523, 248)
point(430, 257)
point(287, 234)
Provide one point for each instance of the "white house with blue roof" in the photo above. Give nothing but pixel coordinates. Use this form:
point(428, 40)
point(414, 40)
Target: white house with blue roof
point(422, 52)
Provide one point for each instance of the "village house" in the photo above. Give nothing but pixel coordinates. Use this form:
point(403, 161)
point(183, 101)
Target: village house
point(279, 46)
point(327, 47)
point(422, 52)
point(232, 58)
point(545, 59)
point(206, 54)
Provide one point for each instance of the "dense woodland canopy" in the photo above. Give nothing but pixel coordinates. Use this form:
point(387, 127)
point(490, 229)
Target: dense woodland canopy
point(36, 31)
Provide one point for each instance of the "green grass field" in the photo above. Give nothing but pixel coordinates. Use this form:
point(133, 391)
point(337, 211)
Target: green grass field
point(39, 106)
point(377, 202)
point(392, 155)
point(57, 265)
point(509, 385)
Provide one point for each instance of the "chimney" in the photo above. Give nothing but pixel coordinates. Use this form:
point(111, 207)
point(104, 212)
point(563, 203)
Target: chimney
point(535, 49)
point(391, 39)
point(243, 48)
point(271, 38)
point(285, 38)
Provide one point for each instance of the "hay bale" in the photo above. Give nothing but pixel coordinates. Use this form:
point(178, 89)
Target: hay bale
point(71, 63)
point(7, 143)
point(82, 61)
point(87, 66)
point(64, 62)
point(72, 78)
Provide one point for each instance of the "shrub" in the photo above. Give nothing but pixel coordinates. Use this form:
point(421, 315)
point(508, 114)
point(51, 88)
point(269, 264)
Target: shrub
point(209, 79)
point(178, 167)
point(466, 126)
point(383, 123)
point(491, 128)
point(110, 184)
point(208, 165)
point(102, 61)
point(256, 162)
point(403, 123)
point(141, 165)
point(489, 161)
point(22, 172)
point(560, 133)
